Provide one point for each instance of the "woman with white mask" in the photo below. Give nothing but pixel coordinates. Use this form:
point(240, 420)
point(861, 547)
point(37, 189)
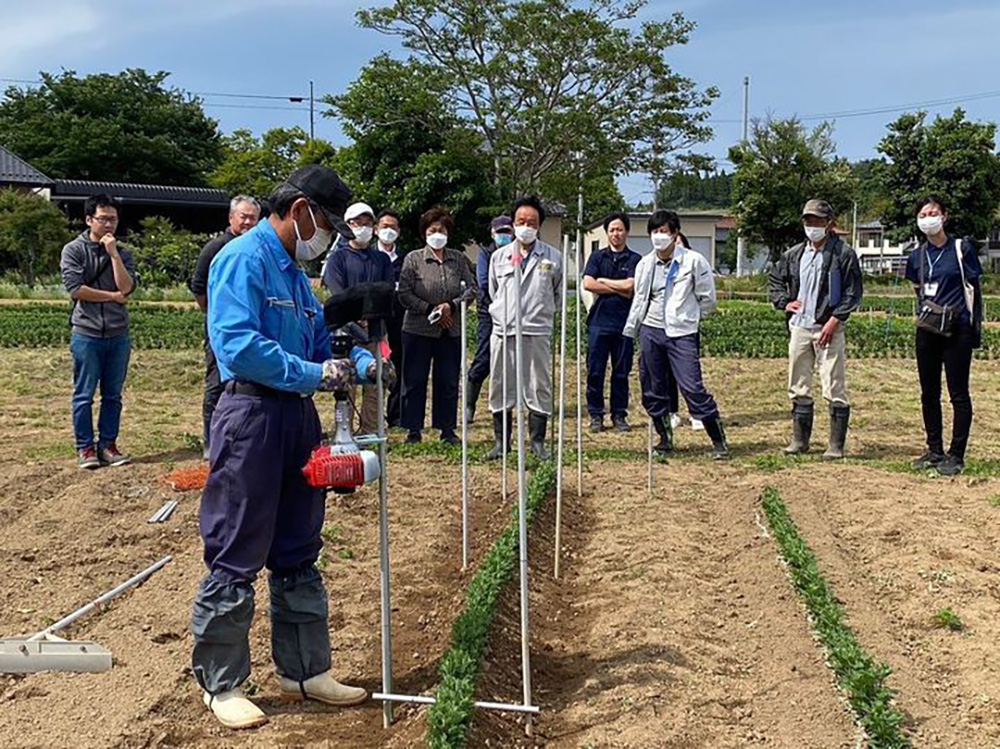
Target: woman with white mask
point(430, 290)
point(945, 273)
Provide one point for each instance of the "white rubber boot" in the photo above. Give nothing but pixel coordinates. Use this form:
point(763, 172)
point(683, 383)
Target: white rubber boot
point(323, 688)
point(234, 710)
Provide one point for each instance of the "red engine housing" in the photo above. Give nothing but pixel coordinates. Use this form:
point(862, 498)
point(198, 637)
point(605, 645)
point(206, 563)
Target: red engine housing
point(343, 471)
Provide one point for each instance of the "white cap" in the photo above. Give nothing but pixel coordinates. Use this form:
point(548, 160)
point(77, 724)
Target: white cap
point(358, 209)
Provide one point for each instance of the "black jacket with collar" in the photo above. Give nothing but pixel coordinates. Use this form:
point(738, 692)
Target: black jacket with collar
point(841, 286)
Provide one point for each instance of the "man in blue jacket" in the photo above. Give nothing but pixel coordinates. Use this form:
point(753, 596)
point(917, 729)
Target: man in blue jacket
point(274, 351)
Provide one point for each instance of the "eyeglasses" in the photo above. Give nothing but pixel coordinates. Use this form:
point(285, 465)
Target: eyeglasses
point(105, 219)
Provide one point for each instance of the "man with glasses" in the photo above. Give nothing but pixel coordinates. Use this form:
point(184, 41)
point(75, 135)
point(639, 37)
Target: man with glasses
point(99, 276)
point(244, 213)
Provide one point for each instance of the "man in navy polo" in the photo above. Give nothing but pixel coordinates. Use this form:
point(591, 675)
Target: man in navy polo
point(274, 351)
point(610, 275)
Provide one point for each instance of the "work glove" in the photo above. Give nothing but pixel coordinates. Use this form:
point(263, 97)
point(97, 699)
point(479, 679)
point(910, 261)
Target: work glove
point(388, 373)
point(338, 374)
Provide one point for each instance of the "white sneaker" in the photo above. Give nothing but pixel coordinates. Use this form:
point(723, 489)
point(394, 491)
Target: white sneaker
point(697, 426)
point(675, 421)
point(323, 688)
point(234, 710)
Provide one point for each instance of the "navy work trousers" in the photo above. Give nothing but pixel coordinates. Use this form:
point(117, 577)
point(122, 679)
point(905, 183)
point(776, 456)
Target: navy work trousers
point(601, 347)
point(662, 356)
point(257, 511)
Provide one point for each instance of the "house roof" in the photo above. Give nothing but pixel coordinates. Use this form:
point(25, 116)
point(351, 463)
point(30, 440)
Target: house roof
point(16, 171)
point(73, 190)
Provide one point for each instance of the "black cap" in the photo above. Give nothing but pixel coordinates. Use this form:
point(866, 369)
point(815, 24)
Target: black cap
point(325, 188)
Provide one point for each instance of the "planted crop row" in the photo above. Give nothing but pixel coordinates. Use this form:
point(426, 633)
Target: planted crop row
point(450, 716)
point(159, 327)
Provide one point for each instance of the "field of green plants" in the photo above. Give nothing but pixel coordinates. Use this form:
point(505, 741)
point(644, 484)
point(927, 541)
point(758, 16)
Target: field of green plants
point(741, 329)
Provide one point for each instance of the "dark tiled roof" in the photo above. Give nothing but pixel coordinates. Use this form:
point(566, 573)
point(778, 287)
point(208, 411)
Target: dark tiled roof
point(80, 189)
point(17, 171)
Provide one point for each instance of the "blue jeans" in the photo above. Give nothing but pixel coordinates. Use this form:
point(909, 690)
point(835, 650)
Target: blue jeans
point(96, 361)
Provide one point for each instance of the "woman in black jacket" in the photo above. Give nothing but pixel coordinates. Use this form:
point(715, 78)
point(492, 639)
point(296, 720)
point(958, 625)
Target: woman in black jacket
point(945, 273)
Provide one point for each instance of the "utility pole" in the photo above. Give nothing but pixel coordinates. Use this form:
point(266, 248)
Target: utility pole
point(741, 243)
point(312, 113)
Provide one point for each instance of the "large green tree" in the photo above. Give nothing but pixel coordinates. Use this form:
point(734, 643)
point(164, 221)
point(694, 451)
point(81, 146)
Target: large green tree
point(777, 170)
point(255, 166)
point(542, 83)
point(951, 157)
point(410, 150)
point(32, 234)
point(124, 127)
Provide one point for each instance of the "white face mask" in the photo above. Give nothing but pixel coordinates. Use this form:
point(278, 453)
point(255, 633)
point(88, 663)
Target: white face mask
point(662, 241)
point(316, 245)
point(437, 240)
point(362, 234)
point(815, 233)
point(526, 234)
point(930, 225)
point(388, 236)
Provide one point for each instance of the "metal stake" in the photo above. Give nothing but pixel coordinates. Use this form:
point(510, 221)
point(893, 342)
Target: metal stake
point(562, 406)
point(506, 410)
point(383, 536)
point(522, 490)
point(579, 376)
point(465, 440)
point(649, 445)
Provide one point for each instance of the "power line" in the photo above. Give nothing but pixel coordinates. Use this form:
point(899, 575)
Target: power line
point(850, 113)
point(227, 94)
point(209, 104)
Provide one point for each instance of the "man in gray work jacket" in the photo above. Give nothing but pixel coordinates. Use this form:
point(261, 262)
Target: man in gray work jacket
point(541, 280)
point(99, 275)
point(817, 283)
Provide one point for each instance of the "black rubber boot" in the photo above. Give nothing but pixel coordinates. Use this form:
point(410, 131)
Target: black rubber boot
point(713, 427)
point(498, 445)
point(840, 416)
point(666, 444)
point(537, 425)
point(802, 426)
point(473, 389)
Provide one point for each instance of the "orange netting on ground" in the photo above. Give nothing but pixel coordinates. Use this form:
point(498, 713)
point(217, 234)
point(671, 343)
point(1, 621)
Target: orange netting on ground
point(187, 479)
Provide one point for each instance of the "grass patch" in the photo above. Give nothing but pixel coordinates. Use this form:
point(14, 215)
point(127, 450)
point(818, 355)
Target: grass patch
point(860, 676)
point(449, 717)
point(948, 619)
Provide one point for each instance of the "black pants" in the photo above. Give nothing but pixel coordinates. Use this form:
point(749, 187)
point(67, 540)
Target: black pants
point(955, 355)
point(480, 368)
point(419, 352)
point(395, 335)
point(619, 348)
point(213, 389)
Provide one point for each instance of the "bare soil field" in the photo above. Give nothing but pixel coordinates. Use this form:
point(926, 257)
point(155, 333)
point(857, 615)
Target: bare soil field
point(673, 625)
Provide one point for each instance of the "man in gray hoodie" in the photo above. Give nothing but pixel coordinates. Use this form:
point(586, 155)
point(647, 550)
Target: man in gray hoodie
point(99, 277)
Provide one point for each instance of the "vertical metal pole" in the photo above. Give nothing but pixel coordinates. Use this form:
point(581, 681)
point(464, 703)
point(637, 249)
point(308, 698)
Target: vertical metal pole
point(579, 356)
point(312, 113)
point(649, 447)
point(503, 382)
point(465, 439)
point(522, 489)
point(741, 243)
point(383, 536)
point(562, 404)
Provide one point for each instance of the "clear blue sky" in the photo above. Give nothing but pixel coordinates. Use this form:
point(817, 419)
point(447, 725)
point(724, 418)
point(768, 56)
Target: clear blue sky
point(802, 58)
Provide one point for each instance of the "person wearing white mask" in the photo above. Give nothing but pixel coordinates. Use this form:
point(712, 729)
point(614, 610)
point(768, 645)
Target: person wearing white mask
point(388, 228)
point(430, 290)
point(274, 352)
point(818, 284)
point(945, 273)
point(353, 261)
point(541, 283)
point(674, 290)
